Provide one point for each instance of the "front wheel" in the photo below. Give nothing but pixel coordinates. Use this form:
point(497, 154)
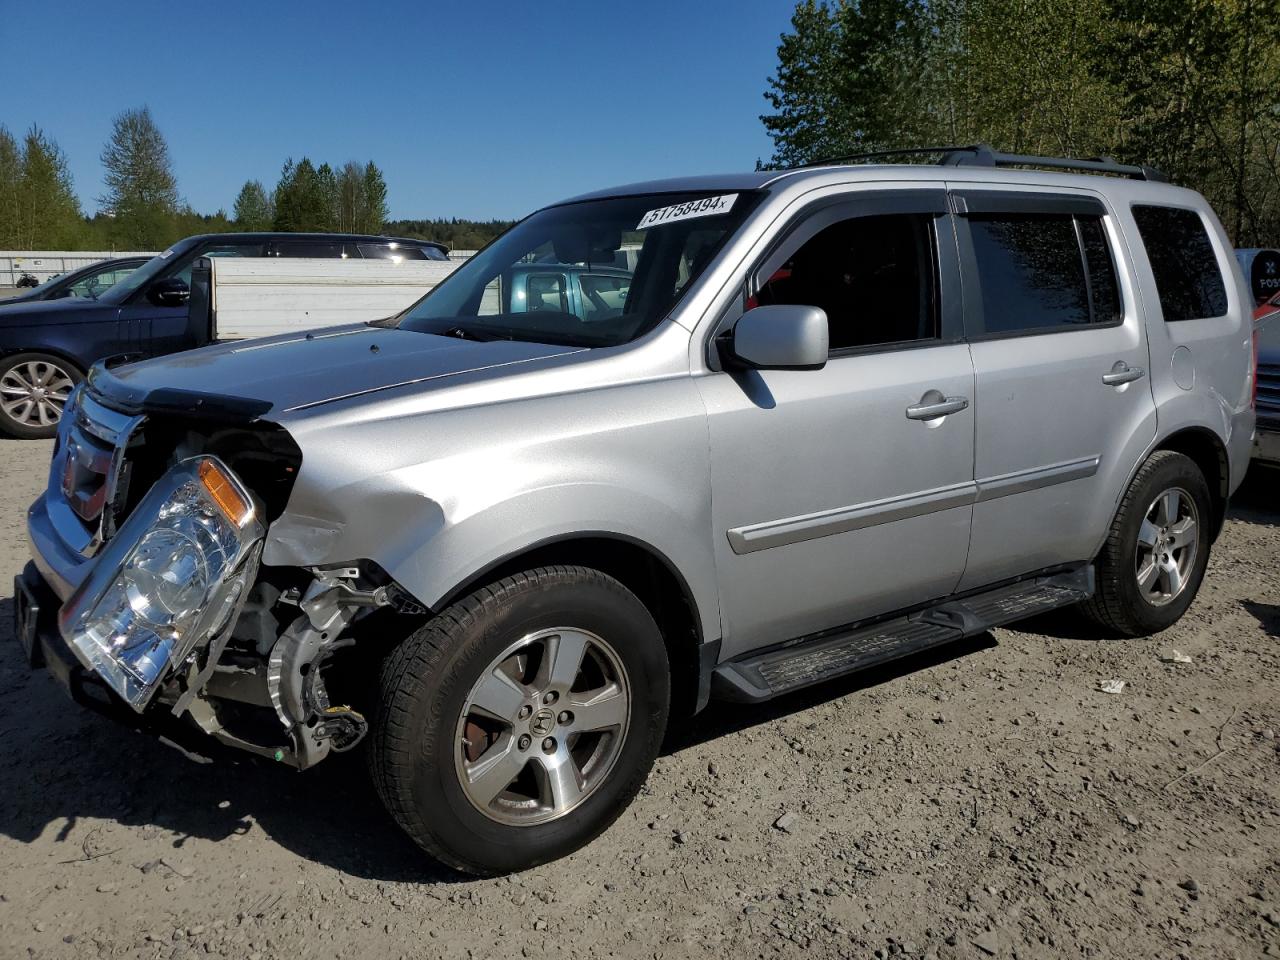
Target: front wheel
point(517, 725)
point(1157, 550)
point(34, 388)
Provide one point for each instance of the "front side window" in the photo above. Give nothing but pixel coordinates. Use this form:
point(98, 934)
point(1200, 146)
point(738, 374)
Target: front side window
point(153, 269)
point(603, 296)
point(546, 292)
point(1041, 272)
point(94, 284)
point(670, 238)
point(1186, 270)
point(874, 276)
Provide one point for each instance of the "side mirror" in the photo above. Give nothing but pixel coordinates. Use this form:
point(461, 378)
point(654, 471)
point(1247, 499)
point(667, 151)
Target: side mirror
point(172, 292)
point(781, 337)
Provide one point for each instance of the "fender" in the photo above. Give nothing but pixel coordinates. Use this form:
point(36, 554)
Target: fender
point(437, 498)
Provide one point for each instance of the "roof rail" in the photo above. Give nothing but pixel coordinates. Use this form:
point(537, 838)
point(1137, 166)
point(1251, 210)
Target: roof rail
point(982, 155)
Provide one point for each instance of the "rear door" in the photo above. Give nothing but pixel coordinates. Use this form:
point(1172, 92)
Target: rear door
point(846, 492)
point(1064, 407)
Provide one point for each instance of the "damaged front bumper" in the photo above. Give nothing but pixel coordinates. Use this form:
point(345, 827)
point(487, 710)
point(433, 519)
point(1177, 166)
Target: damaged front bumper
point(138, 631)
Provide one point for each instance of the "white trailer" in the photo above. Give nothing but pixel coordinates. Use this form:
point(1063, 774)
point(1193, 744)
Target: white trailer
point(252, 297)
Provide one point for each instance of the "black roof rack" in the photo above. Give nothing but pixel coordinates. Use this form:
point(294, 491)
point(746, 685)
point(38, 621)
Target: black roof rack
point(982, 155)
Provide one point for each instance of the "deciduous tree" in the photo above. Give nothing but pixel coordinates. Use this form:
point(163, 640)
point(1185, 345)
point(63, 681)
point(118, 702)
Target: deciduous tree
point(142, 192)
point(253, 209)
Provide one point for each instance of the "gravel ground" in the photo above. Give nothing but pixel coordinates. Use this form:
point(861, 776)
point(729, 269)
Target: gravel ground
point(988, 800)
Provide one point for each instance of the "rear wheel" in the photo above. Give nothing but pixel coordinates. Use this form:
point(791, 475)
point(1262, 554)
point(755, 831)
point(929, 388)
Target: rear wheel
point(34, 388)
point(1155, 556)
point(518, 724)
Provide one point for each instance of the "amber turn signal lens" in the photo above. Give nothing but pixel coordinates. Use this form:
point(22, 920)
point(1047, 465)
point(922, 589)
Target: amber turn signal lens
point(224, 493)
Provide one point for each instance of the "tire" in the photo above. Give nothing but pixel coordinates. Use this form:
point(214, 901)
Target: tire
point(1131, 598)
point(26, 415)
point(432, 733)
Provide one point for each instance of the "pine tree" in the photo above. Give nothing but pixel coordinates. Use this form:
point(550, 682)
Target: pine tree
point(10, 186)
point(48, 213)
point(327, 189)
point(374, 206)
point(142, 192)
point(303, 202)
point(253, 209)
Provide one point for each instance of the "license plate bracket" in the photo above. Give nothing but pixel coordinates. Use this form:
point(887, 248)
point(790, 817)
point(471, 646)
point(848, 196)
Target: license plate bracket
point(26, 618)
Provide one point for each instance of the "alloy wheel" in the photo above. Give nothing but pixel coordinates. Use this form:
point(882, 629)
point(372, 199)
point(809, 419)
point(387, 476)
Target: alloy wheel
point(542, 726)
point(1168, 541)
point(32, 394)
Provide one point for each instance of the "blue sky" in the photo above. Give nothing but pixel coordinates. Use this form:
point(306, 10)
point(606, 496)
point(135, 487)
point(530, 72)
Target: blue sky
point(480, 109)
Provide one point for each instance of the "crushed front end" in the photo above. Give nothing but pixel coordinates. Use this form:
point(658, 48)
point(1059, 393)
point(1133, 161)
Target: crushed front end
point(146, 596)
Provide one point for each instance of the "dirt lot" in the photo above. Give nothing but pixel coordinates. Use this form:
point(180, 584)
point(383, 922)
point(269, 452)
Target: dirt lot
point(986, 801)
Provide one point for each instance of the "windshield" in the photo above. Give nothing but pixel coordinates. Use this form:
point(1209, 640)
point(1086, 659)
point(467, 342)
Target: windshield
point(121, 291)
point(592, 274)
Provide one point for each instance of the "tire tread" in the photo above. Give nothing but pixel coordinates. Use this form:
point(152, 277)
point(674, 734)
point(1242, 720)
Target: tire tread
point(405, 672)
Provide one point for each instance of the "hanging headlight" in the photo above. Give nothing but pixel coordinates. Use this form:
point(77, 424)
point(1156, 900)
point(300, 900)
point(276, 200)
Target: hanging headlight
point(169, 579)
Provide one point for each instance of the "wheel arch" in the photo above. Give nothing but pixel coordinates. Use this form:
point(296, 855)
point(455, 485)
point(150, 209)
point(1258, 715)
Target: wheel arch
point(58, 354)
point(1209, 453)
point(641, 568)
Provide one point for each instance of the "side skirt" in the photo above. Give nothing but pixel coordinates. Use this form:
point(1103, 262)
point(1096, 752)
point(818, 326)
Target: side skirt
point(805, 661)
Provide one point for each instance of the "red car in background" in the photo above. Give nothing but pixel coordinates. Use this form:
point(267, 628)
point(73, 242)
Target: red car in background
point(1267, 306)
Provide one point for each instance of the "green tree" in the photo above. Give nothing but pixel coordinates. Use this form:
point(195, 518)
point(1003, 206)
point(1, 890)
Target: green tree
point(48, 213)
point(142, 192)
point(10, 189)
point(373, 210)
point(804, 92)
point(327, 187)
point(302, 202)
point(253, 209)
point(852, 78)
point(350, 212)
point(1188, 86)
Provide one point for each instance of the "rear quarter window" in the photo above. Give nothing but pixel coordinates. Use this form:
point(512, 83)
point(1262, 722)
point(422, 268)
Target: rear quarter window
point(1183, 262)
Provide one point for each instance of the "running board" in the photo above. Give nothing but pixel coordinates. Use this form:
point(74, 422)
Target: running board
point(804, 662)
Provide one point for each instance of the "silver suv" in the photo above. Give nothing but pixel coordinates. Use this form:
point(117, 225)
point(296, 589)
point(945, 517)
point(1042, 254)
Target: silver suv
point(833, 416)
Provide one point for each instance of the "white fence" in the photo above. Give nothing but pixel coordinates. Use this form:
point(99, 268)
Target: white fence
point(44, 264)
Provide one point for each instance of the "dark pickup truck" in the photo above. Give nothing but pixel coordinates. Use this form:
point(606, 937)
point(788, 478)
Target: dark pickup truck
point(47, 346)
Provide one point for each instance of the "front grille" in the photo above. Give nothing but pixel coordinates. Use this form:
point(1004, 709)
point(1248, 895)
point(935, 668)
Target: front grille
point(88, 479)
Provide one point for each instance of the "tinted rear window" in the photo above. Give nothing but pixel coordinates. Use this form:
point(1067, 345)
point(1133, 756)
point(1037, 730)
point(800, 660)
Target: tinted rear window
point(390, 251)
point(1188, 278)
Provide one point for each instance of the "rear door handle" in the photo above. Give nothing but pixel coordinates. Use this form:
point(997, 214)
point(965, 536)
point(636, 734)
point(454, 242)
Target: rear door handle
point(1121, 372)
point(933, 405)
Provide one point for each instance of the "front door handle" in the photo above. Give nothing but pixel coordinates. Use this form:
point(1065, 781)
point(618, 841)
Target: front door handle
point(933, 405)
point(1121, 372)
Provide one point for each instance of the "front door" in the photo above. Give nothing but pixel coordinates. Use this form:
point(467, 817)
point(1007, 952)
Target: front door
point(1064, 403)
point(844, 493)
point(159, 330)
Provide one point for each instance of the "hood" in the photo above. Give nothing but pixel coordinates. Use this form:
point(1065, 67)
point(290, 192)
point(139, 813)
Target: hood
point(283, 373)
point(66, 310)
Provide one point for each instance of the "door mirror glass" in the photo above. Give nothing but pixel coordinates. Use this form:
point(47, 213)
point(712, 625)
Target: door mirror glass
point(779, 337)
point(172, 292)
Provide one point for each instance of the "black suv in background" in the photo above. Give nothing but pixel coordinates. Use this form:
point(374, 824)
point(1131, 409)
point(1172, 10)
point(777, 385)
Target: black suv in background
point(47, 346)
